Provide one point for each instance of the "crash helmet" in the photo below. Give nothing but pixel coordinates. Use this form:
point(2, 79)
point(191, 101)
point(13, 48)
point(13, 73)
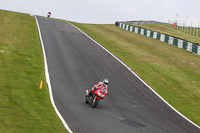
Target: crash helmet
point(105, 82)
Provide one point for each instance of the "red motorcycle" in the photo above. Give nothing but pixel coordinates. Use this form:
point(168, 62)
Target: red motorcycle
point(94, 98)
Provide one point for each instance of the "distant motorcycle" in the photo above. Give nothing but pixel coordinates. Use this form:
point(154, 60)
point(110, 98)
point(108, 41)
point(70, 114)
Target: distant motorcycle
point(94, 98)
point(49, 14)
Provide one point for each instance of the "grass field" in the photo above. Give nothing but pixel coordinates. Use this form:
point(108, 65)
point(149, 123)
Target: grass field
point(166, 29)
point(24, 108)
point(174, 73)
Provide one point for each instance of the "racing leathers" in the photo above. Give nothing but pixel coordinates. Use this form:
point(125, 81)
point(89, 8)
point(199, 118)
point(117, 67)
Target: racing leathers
point(99, 85)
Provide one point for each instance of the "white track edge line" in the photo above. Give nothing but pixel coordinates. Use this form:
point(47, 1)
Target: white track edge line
point(137, 77)
point(48, 80)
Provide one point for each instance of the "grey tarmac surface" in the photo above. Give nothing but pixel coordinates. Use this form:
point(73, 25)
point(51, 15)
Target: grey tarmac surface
point(75, 63)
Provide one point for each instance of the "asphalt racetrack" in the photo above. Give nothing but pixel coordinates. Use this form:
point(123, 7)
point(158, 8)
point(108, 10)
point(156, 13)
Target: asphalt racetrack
point(75, 63)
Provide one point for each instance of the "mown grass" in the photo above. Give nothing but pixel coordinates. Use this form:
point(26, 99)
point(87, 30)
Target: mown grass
point(166, 29)
point(24, 108)
point(174, 73)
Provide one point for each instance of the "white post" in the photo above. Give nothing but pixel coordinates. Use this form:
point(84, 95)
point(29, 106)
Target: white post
point(198, 28)
point(186, 24)
point(186, 19)
point(193, 32)
point(183, 27)
point(196, 31)
point(176, 20)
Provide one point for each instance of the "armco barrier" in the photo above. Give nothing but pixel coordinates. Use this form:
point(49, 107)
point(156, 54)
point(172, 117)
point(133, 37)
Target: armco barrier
point(178, 42)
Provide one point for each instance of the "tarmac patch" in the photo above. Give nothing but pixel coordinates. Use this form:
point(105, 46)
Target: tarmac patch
point(132, 123)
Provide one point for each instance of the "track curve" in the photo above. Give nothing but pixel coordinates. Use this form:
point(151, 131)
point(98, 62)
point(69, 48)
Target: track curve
point(75, 63)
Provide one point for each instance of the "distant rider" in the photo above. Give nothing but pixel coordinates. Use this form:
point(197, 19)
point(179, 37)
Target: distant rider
point(99, 85)
point(49, 14)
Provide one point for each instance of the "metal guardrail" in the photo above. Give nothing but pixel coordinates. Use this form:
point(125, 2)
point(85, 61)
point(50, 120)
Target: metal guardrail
point(144, 22)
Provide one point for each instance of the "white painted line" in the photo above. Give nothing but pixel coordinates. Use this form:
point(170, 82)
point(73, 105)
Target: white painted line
point(162, 37)
point(138, 78)
point(189, 47)
point(171, 40)
point(136, 29)
point(127, 26)
point(148, 33)
point(198, 50)
point(48, 80)
point(131, 29)
point(120, 25)
point(180, 43)
point(142, 32)
point(123, 26)
point(155, 35)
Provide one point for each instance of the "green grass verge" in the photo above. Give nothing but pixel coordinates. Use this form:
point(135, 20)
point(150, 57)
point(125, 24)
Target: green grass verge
point(23, 107)
point(172, 72)
point(166, 29)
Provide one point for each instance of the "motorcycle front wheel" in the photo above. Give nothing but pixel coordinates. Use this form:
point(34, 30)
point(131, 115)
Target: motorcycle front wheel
point(95, 102)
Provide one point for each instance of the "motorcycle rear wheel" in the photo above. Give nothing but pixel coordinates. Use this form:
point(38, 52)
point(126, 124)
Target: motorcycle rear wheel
point(86, 100)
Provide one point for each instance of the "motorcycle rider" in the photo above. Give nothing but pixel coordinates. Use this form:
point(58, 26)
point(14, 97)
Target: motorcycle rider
point(100, 84)
point(49, 14)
